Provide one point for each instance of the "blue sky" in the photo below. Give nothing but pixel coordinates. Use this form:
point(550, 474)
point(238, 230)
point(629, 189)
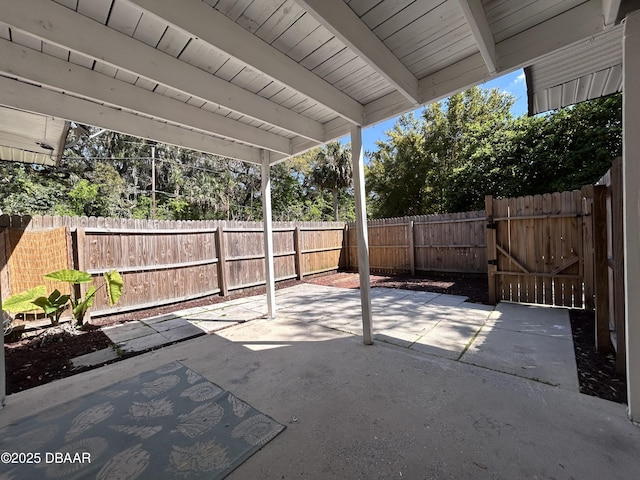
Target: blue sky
point(513, 83)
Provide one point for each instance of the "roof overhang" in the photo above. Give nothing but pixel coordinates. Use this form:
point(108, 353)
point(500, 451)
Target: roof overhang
point(586, 70)
point(31, 137)
point(260, 79)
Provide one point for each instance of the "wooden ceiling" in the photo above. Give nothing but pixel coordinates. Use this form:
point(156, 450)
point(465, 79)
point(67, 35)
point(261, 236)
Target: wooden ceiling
point(256, 79)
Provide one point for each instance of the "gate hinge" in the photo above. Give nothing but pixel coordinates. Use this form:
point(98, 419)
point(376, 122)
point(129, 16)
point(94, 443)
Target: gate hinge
point(492, 262)
point(491, 223)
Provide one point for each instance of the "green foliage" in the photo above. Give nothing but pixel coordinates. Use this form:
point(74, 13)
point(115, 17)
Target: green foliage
point(398, 173)
point(69, 276)
point(332, 171)
point(471, 146)
point(82, 195)
point(23, 302)
point(53, 305)
point(110, 175)
point(113, 283)
point(445, 160)
point(80, 306)
point(115, 286)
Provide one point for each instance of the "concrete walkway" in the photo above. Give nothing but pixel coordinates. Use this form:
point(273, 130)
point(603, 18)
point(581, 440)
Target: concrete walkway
point(157, 332)
point(429, 400)
point(528, 341)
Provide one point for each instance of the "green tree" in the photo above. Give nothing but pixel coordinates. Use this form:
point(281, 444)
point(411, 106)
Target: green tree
point(471, 146)
point(411, 172)
point(397, 175)
point(332, 171)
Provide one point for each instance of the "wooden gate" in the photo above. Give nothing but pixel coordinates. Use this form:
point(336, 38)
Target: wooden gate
point(536, 249)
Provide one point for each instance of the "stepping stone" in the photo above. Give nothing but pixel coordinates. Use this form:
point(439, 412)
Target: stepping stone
point(141, 344)
point(184, 332)
point(159, 319)
point(169, 324)
point(129, 331)
point(95, 358)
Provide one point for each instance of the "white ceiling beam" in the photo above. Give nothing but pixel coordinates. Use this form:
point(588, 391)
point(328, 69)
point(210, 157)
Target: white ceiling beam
point(61, 26)
point(197, 19)
point(477, 21)
point(610, 10)
point(515, 52)
point(30, 98)
point(42, 69)
point(339, 19)
point(334, 130)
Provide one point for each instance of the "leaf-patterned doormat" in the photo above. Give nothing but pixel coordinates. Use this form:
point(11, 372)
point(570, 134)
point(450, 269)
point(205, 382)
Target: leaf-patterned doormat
point(166, 423)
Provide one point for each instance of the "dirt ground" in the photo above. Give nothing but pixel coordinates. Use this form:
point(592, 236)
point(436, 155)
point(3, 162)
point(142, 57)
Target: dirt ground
point(46, 357)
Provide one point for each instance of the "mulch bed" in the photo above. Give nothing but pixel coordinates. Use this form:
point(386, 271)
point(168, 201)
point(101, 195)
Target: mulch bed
point(41, 359)
point(32, 362)
point(472, 286)
point(38, 360)
point(596, 371)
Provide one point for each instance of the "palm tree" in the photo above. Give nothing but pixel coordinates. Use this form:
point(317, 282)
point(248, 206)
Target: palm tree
point(332, 170)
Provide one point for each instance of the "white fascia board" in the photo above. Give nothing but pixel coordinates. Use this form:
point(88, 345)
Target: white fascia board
point(65, 28)
point(17, 94)
point(610, 9)
point(30, 65)
point(477, 21)
point(339, 19)
point(565, 29)
point(197, 19)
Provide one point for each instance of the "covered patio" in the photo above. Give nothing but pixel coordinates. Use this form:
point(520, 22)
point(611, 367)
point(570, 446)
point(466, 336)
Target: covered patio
point(262, 81)
point(444, 404)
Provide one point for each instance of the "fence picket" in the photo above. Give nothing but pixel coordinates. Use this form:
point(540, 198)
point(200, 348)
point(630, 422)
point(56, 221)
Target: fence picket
point(538, 238)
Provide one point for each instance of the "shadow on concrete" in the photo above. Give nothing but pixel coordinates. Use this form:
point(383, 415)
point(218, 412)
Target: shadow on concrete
point(382, 411)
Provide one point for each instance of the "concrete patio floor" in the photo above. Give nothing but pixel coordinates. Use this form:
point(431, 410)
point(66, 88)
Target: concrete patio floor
point(450, 390)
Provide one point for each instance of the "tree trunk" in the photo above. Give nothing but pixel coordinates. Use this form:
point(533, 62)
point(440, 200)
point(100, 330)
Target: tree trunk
point(335, 204)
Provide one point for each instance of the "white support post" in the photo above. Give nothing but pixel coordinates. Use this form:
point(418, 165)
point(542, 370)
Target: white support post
point(269, 270)
point(357, 158)
point(631, 207)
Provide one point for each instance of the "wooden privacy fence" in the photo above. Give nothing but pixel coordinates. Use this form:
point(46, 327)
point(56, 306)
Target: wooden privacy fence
point(540, 249)
point(165, 262)
point(561, 249)
point(609, 272)
point(22, 252)
point(452, 243)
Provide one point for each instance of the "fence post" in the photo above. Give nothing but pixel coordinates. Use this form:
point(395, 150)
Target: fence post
point(617, 246)
point(412, 252)
point(588, 267)
point(297, 245)
point(492, 251)
point(4, 260)
point(222, 262)
point(345, 246)
point(80, 260)
point(601, 263)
